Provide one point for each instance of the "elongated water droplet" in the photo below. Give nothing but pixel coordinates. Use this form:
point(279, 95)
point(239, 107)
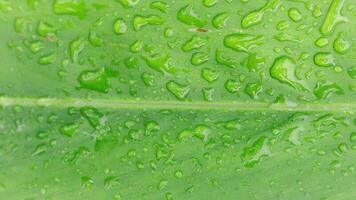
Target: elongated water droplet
point(194, 43)
point(243, 42)
point(47, 59)
point(76, 47)
point(188, 15)
point(219, 21)
point(140, 21)
point(70, 7)
point(333, 17)
point(325, 89)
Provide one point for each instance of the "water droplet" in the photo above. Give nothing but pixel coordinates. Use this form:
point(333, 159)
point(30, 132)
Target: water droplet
point(219, 21)
point(317, 11)
point(202, 132)
point(321, 42)
point(36, 46)
point(208, 94)
point(253, 89)
point(40, 149)
point(210, 3)
point(342, 148)
point(128, 3)
point(96, 80)
point(295, 15)
point(253, 154)
point(111, 181)
point(47, 59)
point(283, 70)
point(232, 86)
point(282, 25)
point(209, 75)
point(42, 135)
point(287, 37)
point(178, 174)
point(199, 58)
point(324, 59)
point(255, 17)
point(333, 17)
point(341, 45)
point(148, 79)
point(224, 60)
point(136, 46)
point(120, 26)
point(87, 182)
point(185, 134)
point(352, 72)
point(76, 47)
point(353, 137)
point(69, 129)
point(325, 89)
point(160, 63)
point(253, 62)
point(94, 39)
point(162, 184)
point(140, 21)
point(45, 29)
point(243, 42)
point(20, 25)
point(194, 43)
point(151, 127)
point(168, 32)
point(160, 5)
point(92, 115)
point(70, 7)
point(188, 15)
point(178, 90)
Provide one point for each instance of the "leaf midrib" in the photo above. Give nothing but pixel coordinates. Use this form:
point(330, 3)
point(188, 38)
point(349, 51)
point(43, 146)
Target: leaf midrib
point(197, 105)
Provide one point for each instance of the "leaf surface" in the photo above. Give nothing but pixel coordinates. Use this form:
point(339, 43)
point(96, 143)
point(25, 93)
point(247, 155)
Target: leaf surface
point(210, 99)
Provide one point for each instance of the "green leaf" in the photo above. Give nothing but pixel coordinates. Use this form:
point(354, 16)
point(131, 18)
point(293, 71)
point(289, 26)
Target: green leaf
point(158, 99)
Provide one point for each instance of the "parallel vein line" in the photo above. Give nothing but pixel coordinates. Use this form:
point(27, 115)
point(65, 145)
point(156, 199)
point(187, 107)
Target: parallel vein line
point(144, 105)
